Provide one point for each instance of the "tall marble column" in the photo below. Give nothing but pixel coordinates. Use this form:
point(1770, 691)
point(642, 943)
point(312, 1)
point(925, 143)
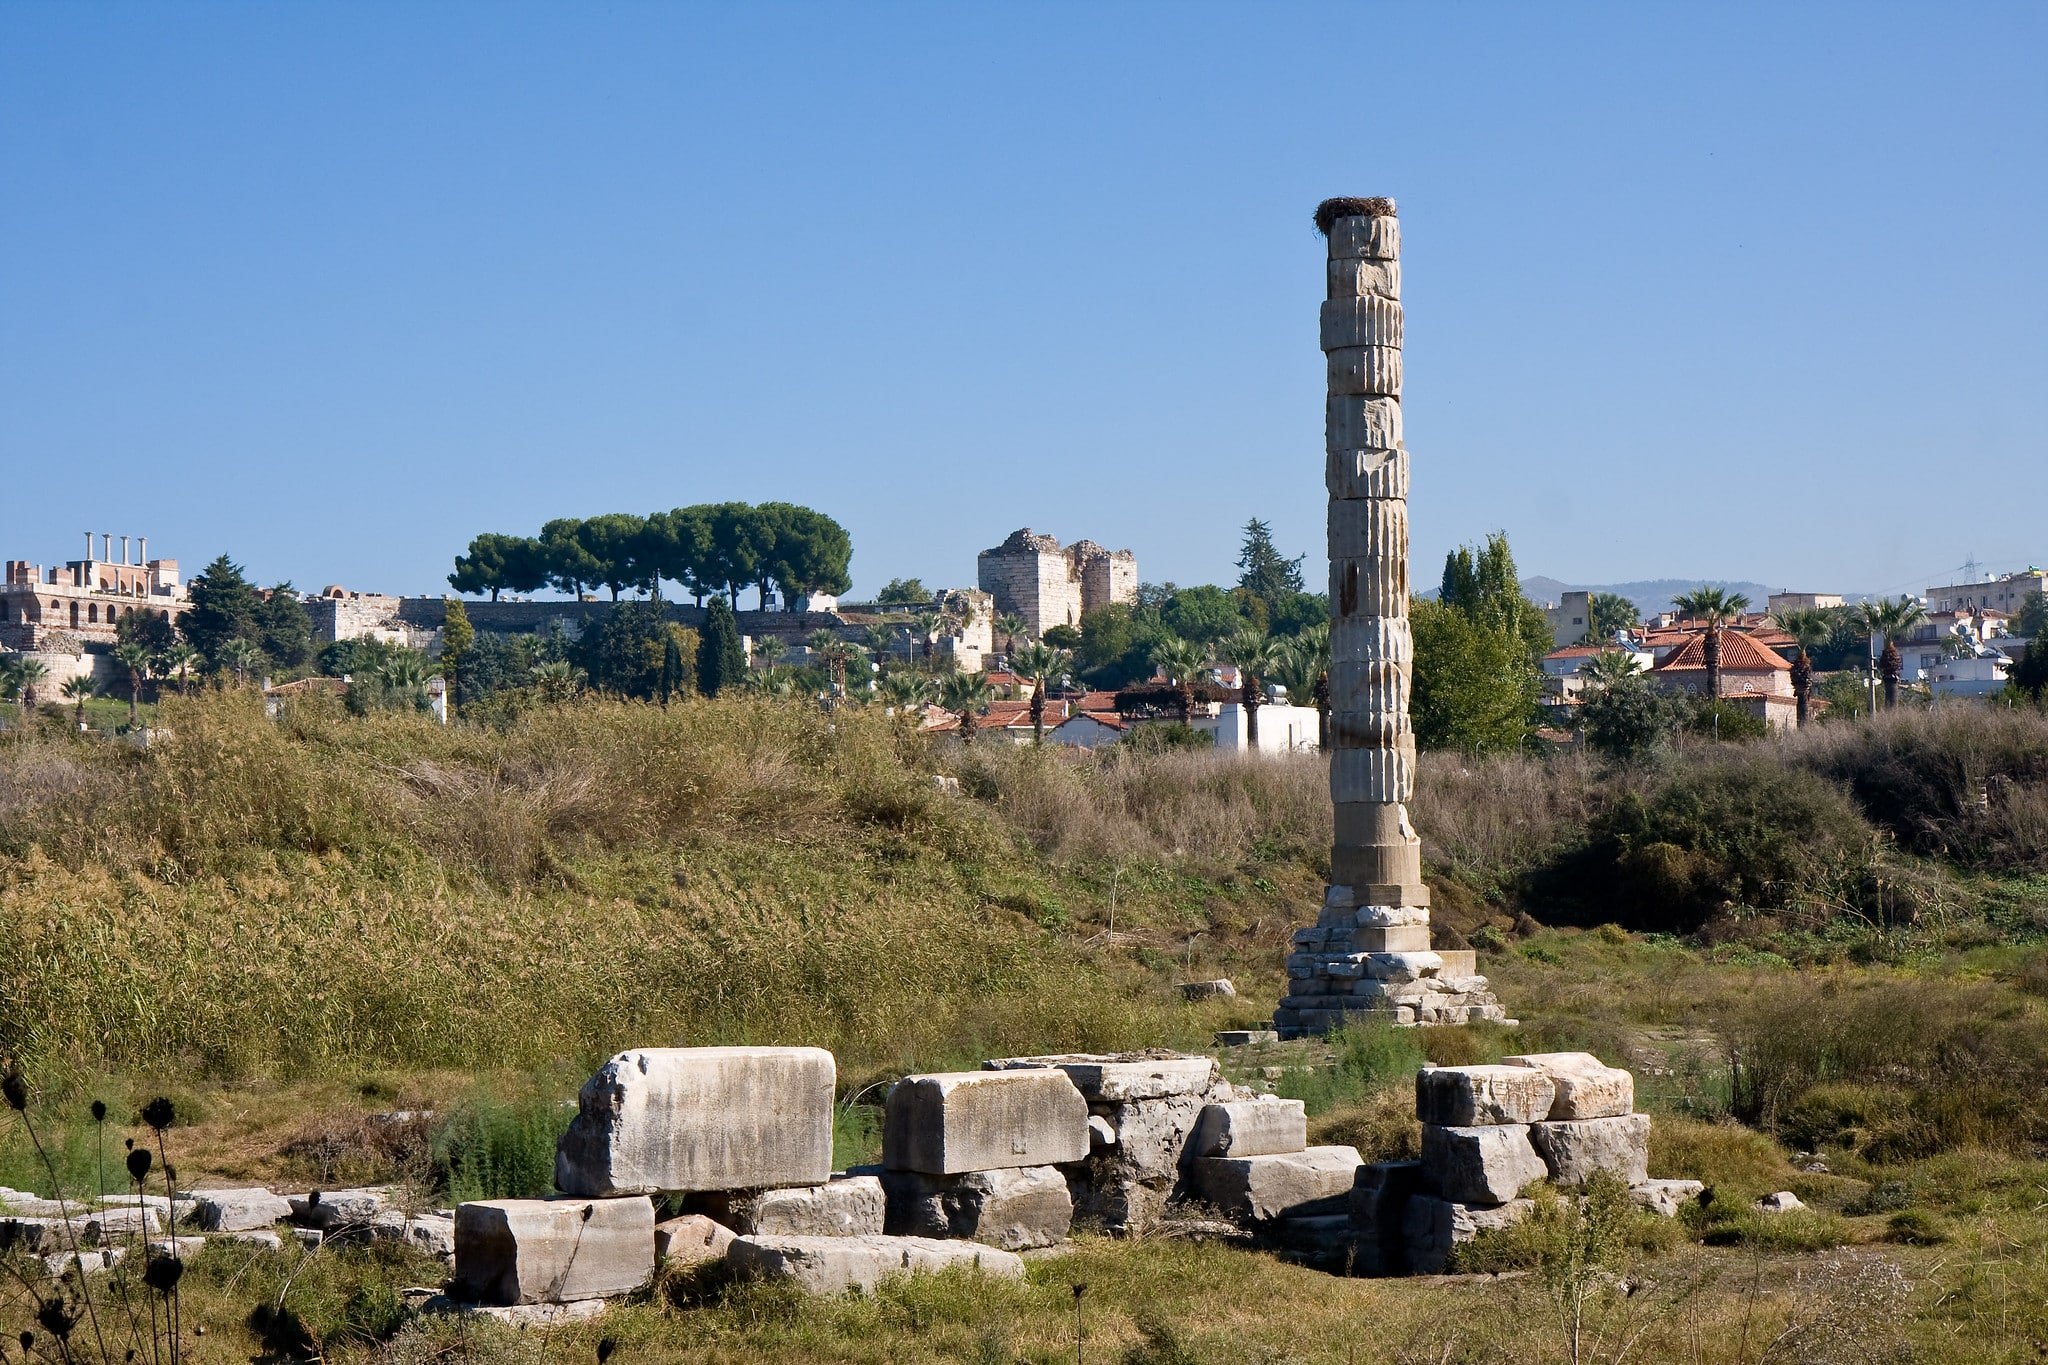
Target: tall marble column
point(1369, 950)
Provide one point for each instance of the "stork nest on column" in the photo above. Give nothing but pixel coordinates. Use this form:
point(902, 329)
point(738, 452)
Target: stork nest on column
point(1330, 210)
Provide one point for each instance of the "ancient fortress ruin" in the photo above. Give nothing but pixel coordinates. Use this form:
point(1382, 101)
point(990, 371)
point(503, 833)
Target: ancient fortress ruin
point(1369, 951)
point(1053, 585)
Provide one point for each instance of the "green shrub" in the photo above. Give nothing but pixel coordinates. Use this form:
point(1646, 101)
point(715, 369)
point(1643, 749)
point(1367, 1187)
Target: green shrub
point(1915, 1227)
point(495, 1149)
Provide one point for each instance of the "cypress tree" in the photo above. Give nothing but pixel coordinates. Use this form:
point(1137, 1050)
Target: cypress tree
point(721, 662)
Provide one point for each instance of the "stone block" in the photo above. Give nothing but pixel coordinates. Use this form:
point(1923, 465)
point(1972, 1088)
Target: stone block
point(1264, 1125)
point(1784, 1201)
point(1386, 775)
point(1405, 938)
point(1401, 967)
point(1366, 473)
point(1433, 1228)
point(35, 1235)
point(1575, 1148)
point(1373, 371)
point(1376, 239)
point(1367, 321)
point(833, 1265)
point(671, 1120)
point(266, 1238)
point(1479, 1165)
point(847, 1206)
point(1361, 528)
point(520, 1316)
point(1462, 962)
point(1354, 277)
point(1374, 584)
point(1297, 1184)
point(332, 1210)
point(1220, 989)
point(514, 1251)
point(117, 1224)
point(952, 1122)
point(432, 1233)
point(690, 1239)
point(1587, 1088)
point(1373, 639)
point(1666, 1197)
point(1120, 1079)
point(238, 1210)
point(1243, 1037)
point(1469, 1096)
point(1361, 422)
point(1013, 1209)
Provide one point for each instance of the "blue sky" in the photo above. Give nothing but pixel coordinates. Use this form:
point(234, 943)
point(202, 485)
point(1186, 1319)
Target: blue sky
point(1717, 290)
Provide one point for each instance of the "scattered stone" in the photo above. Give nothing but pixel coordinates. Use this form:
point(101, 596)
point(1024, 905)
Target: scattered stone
point(1432, 1228)
point(1014, 1209)
point(517, 1251)
point(334, 1210)
point(88, 1262)
point(426, 1232)
point(1101, 1132)
point(184, 1246)
point(238, 1210)
point(847, 1206)
point(667, 1120)
point(1587, 1088)
point(309, 1238)
point(1576, 1148)
point(1219, 989)
point(518, 1315)
point(1317, 1180)
point(1784, 1201)
point(959, 1121)
point(690, 1239)
point(1265, 1125)
point(115, 1224)
point(1246, 1037)
point(1479, 1165)
point(1665, 1197)
point(832, 1265)
point(259, 1237)
point(1472, 1096)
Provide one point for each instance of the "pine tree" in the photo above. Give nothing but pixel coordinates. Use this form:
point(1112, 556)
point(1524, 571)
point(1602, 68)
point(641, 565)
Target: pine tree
point(223, 607)
point(673, 675)
point(283, 629)
point(1263, 573)
point(458, 638)
point(721, 661)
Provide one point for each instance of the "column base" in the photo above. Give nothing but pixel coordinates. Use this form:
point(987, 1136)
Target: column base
point(1367, 956)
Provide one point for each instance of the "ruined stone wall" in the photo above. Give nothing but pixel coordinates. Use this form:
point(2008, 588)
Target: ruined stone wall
point(1049, 584)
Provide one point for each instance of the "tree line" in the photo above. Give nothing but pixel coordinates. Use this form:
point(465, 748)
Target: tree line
point(708, 549)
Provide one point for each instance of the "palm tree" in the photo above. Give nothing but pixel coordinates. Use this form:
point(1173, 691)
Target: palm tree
point(965, 695)
point(10, 673)
point(556, 680)
point(240, 658)
point(1606, 613)
point(1714, 608)
point(178, 657)
point(1254, 652)
point(1887, 621)
point(880, 637)
point(1009, 626)
point(769, 648)
point(135, 659)
point(1314, 642)
point(1040, 664)
point(910, 693)
point(1183, 663)
point(1609, 667)
point(78, 691)
point(28, 675)
point(927, 623)
point(1810, 628)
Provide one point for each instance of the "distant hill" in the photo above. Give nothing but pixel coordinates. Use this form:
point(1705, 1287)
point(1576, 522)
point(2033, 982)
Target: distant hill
point(1651, 596)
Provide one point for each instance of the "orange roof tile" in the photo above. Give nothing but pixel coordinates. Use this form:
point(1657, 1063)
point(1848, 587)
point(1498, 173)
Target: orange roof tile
point(1739, 654)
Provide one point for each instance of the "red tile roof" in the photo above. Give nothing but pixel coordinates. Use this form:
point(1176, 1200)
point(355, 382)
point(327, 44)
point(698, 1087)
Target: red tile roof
point(1739, 654)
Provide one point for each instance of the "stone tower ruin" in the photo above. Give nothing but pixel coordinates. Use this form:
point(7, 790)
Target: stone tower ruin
point(1049, 584)
point(1369, 950)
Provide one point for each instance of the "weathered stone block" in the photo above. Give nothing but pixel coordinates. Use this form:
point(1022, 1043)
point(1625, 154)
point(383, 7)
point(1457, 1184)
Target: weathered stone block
point(512, 1251)
point(959, 1121)
point(833, 1265)
point(1264, 1125)
point(1242, 1037)
point(1480, 1165)
point(1013, 1209)
point(333, 1210)
point(1784, 1201)
point(1220, 989)
point(1255, 1188)
point(1371, 370)
point(1120, 1079)
point(1366, 473)
point(1587, 1088)
point(117, 1224)
point(669, 1120)
point(1361, 422)
point(1575, 1148)
point(1462, 962)
point(1366, 527)
point(1666, 1197)
point(1466, 1096)
point(239, 1210)
point(1386, 775)
point(1405, 938)
point(1366, 238)
point(1372, 639)
point(429, 1232)
point(1369, 584)
point(1355, 277)
point(1400, 967)
point(1433, 1228)
point(1361, 321)
point(848, 1206)
point(690, 1239)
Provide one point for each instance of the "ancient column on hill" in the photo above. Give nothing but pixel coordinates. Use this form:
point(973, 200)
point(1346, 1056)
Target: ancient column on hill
point(1369, 950)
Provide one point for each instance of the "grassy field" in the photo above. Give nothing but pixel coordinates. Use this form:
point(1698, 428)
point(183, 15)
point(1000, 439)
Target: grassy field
point(1823, 956)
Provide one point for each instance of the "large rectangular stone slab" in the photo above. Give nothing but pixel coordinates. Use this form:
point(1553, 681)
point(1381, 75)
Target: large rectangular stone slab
point(950, 1122)
point(1587, 1088)
point(1480, 1165)
point(1299, 1184)
point(833, 1265)
point(239, 1210)
point(848, 1206)
point(673, 1120)
point(1576, 1148)
point(1264, 1125)
point(1120, 1080)
point(514, 1251)
point(1469, 1096)
point(1013, 1209)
